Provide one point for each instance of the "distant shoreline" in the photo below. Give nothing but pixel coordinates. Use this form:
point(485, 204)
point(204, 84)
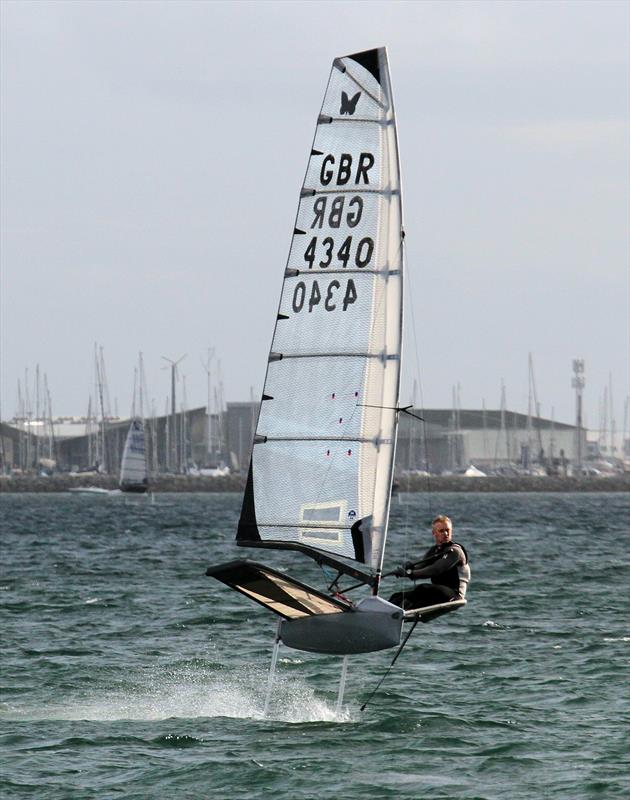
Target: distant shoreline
point(234, 483)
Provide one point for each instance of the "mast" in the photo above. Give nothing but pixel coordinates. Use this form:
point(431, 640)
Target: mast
point(28, 418)
point(155, 465)
point(148, 418)
point(88, 433)
point(49, 414)
point(484, 425)
point(625, 444)
point(20, 423)
point(221, 443)
point(168, 424)
point(461, 455)
point(207, 365)
point(529, 411)
point(502, 433)
point(578, 385)
point(140, 388)
point(103, 397)
point(135, 392)
point(532, 381)
point(613, 447)
point(183, 464)
point(172, 458)
point(37, 417)
point(603, 422)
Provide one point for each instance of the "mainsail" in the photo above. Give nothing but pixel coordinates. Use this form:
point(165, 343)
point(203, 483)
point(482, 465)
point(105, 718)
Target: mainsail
point(322, 460)
point(133, 467)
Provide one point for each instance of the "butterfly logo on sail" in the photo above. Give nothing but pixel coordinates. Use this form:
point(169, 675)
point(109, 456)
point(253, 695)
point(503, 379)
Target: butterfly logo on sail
point(349, 105)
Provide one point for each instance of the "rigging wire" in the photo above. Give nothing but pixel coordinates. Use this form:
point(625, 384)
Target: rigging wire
point(387, 671)
point(419, 379)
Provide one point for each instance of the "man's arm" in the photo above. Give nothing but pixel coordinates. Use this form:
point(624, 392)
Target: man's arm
point(443, 563)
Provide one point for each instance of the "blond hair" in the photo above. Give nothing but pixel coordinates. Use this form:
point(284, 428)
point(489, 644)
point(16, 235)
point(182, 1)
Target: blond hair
point(442, 518)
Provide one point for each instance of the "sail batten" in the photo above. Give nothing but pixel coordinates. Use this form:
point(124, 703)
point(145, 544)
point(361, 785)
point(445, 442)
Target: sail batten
point(339, 354)
point(348, 439)
point(383, 192)
point(322, 465)
point(383, 272)
point(305, 525)
point(343, 120)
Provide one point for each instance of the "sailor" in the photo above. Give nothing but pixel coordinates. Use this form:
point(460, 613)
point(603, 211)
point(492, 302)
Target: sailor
point(446, 564)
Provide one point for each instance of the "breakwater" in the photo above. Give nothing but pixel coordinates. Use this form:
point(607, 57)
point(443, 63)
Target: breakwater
point(236, 483)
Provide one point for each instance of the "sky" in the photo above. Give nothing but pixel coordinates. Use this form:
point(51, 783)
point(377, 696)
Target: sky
point(152, 157)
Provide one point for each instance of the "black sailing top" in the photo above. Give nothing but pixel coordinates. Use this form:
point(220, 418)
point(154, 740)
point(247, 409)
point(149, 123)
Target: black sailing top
point(446, 564)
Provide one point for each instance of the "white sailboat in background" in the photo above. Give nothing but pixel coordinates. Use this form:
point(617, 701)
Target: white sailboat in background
point(134, 477)
point(321, 469)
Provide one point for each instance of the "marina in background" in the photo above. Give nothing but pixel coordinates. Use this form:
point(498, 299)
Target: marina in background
point(194, 450)
point(214, 441)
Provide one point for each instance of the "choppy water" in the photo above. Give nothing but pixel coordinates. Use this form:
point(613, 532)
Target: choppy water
point(127, 673)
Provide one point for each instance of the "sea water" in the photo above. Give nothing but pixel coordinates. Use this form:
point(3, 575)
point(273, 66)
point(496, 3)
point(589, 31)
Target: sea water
point(126, 673)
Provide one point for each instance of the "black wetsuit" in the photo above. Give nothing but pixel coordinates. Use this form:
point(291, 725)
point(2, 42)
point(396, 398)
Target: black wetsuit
point(447, 566)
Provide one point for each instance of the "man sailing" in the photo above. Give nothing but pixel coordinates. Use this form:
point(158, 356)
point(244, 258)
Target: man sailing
point(446, 564)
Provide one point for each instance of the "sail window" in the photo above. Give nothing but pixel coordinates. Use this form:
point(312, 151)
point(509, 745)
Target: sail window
point(320, 537)
point(321, 513)
point(325, 513)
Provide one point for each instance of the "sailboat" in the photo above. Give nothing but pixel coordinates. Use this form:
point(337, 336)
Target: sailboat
point(321, 470)
point(133, 466)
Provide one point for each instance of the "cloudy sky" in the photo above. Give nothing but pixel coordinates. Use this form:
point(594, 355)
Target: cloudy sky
point(153, 152)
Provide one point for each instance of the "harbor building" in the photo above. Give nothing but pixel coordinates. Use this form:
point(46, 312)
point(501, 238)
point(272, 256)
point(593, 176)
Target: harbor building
point(448, 440)
point(443, 441)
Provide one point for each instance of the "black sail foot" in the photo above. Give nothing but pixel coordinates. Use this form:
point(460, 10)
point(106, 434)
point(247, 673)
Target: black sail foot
point(275, 590)
point(134, 488)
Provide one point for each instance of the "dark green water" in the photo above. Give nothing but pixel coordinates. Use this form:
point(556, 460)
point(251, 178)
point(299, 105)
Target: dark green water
point(127, 673)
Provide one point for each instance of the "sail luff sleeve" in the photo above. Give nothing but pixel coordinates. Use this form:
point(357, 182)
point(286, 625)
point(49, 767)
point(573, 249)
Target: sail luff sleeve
point(393, 255)
point(324, 440)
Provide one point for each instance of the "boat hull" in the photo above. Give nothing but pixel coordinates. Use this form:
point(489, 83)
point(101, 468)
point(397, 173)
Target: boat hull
point(134, 488)
point(374, 625)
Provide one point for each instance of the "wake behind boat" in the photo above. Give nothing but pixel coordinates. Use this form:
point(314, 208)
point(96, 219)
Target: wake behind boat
point(320, 476)
point(90, 490)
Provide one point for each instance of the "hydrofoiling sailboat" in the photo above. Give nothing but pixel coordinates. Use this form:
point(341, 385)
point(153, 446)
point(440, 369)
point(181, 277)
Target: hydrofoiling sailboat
point(322, 461)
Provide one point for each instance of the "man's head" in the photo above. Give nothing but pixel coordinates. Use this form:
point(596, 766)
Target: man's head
point(442, 529)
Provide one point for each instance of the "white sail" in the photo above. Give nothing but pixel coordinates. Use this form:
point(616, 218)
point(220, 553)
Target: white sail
point(133, 467)
point(322, 462)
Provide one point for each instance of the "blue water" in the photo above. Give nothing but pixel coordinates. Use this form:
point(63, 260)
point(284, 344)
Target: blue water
point(127, 673)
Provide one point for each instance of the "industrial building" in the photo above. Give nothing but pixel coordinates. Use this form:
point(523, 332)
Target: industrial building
point(449, 440)
point(444, 440)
